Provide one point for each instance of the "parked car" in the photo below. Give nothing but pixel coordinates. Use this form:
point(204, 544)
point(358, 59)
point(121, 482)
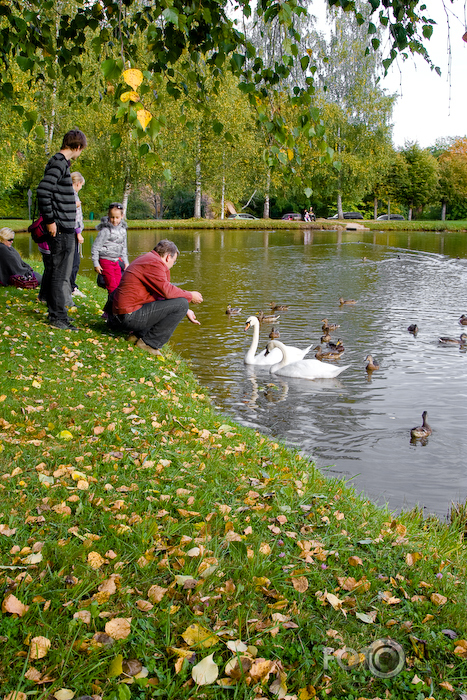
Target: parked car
point(348, 215)
point(395, 217)
point(242, 215)
point(292, 216)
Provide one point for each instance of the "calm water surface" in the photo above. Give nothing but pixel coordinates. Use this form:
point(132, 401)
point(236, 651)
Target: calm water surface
point(356, 426)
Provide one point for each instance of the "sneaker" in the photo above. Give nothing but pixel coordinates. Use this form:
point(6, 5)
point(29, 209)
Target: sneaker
point(144, 346)
point(77, 293)
point(63, 325)
point(133, 339)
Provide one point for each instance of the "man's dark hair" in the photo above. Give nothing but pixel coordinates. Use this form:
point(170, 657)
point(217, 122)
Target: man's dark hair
point(74, 139)
point(165, 246)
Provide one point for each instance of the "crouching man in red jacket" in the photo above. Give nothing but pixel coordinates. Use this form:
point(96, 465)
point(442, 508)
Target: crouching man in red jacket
point(146, 304)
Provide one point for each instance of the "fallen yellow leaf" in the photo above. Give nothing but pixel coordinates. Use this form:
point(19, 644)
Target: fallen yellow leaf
point(119, 627)
point(206, 672)
point(195, 635)
point(39, 647)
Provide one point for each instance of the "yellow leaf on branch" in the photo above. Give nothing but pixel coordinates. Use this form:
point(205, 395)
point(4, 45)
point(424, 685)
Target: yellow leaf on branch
point(133, 77)
point(144, 117)
point(131, 95)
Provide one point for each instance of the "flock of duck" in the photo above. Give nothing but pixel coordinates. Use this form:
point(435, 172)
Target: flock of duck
point(289, 361)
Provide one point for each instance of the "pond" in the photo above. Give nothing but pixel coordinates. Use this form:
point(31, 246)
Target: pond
point(357, 426)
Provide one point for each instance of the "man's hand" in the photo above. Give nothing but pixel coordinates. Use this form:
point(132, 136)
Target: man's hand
point(52, 229)
point(191, 317)
point(196, 297)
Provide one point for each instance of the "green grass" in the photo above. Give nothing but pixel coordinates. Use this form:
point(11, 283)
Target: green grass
point(268, 224)
point(117, 475)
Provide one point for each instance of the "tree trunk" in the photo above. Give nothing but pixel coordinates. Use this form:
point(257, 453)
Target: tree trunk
point(410, 212)
point(266, 197)
point(340, 213)
point(197, 212)
point(375, 208)
point(223, 187)
point(126, 194)
point(443, 210)
point(389, 209)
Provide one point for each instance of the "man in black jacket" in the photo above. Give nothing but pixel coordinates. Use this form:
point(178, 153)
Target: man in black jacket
point(57, 205)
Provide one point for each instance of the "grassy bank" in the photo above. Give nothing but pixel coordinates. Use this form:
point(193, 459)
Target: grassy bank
point(150, 545)
point(268, 224)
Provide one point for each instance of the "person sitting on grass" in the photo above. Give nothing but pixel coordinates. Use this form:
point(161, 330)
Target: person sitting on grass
point(11, 262)
point(146, 304)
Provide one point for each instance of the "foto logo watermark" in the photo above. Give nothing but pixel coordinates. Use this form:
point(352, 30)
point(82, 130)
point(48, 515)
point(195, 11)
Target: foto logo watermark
point(385, 658)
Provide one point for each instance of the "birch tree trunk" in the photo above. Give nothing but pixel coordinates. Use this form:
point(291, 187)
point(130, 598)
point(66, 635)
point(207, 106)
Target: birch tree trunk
point(223, 187)
point(443, 210)
point(340, 213)
point(389, 209)
point(410, 212)
point(375, 208)
point(266, 197)
point(126, 194)
point(197, 211)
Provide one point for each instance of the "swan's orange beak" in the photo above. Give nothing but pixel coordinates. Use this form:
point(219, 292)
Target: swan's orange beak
point(247, 325)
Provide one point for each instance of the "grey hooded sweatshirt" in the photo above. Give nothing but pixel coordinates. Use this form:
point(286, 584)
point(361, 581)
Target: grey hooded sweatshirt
point(110, 243)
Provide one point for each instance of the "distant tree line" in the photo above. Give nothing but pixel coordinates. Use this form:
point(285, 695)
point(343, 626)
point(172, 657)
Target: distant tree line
point(209, 141)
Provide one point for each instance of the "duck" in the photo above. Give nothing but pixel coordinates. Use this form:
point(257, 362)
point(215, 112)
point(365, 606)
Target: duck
point(346, 302)
point(372, 364)
point(325, 338)
point(338, 346)
point(274, 333)
point(413, 328)
point(463, 320)
point(232, 311)
point(303, 369)
point(422, 431)
point(267, 318)
point(326, 355)
point(329, 326)
point(454, 341)
point(278, 307)
point(272, 357)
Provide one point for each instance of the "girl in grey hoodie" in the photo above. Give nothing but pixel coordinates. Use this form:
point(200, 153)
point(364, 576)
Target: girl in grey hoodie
point(110, 247)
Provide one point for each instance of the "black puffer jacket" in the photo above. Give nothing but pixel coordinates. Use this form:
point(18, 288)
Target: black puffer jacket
point(56, 196)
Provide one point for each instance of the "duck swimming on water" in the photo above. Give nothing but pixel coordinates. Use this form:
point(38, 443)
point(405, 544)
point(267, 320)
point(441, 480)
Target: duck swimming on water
point(329, 326)
point(372, 364)
point(421, 431)
point(454, 341)
point(232, 311)
point(413, 328)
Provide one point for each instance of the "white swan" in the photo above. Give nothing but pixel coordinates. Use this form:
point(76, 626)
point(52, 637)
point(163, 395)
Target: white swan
point(303, 369)
point(273, 357)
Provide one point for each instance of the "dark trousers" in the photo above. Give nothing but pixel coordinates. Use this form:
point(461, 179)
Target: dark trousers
point(153, 322)
point(62, 248)
point(75, 268)
point(45, 284)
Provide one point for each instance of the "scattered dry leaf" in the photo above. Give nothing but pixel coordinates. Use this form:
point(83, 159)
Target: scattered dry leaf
point(39, 647)
point(119, 627)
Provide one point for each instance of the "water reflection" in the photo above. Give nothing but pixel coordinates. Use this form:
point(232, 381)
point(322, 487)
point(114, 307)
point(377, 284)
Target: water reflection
point(359, 424)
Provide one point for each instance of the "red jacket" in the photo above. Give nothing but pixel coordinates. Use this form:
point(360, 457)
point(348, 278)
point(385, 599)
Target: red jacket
point(146, 279)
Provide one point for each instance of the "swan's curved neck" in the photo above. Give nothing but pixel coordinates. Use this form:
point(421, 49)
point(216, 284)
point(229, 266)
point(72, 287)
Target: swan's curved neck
point(281, 347)
point(250, 354)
